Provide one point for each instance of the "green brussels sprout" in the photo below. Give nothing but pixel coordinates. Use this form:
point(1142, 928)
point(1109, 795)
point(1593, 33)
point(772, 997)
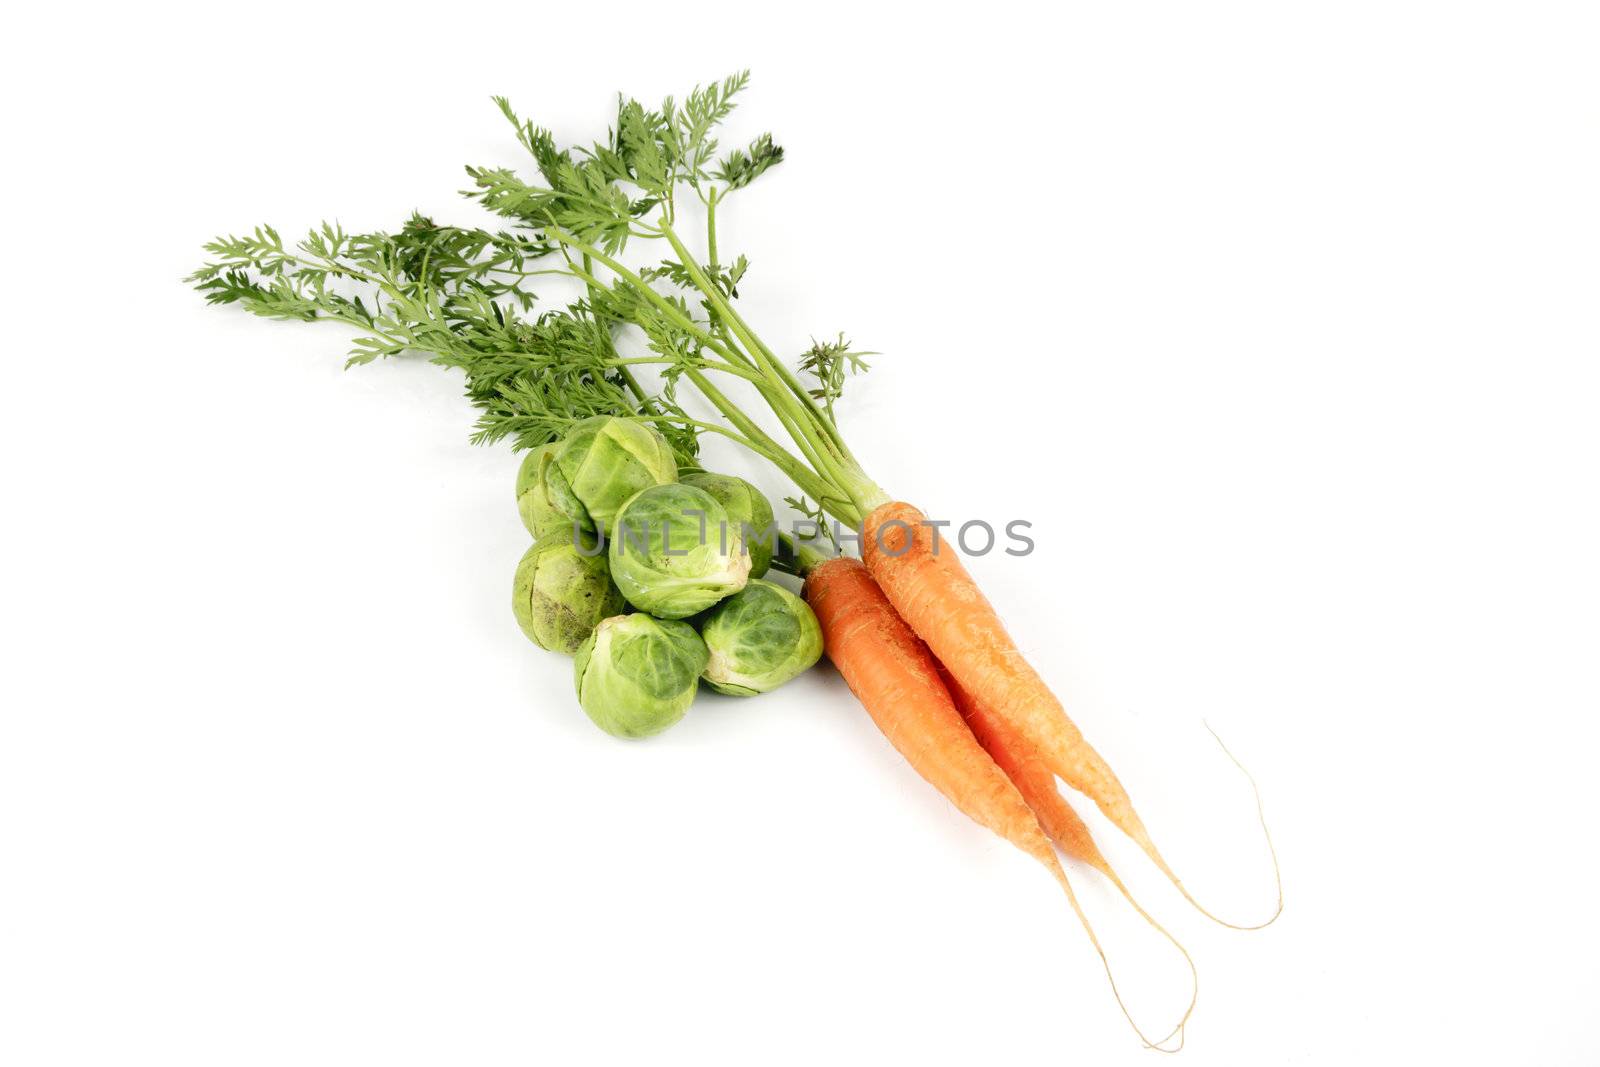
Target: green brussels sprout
point(759, 638)
point(544, 499)
point(673, 551)
point(747, 509)
point(562, 590)
point(637, 675)
point(607, 459)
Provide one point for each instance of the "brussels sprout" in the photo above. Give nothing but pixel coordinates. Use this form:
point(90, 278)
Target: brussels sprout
point(562, 590)
point(746, 508)
point(607, 459)
point(673, 551)
point(544, 499)
point(637, 675)
point(759, 638)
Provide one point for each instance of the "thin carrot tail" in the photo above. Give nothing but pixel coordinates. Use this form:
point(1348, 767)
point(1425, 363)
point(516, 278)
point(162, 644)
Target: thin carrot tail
point(1266, 833)
point(1194, 974)
point(1177, 1031)
point(1141, 837)
point(1073, 838)
point(1117, 808)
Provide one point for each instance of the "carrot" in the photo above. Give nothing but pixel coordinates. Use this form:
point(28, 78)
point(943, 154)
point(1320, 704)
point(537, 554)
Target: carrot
point(936, 596)
point(897, 681)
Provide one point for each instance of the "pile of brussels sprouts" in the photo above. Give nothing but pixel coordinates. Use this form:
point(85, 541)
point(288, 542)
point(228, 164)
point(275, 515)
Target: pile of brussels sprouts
point(647, 578)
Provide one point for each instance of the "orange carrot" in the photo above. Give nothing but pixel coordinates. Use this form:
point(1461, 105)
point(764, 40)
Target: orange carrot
point(897, 681)
point(936, 596)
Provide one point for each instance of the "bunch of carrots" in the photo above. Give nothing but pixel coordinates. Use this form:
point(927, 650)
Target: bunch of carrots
point(906, 626)
point(929, 659)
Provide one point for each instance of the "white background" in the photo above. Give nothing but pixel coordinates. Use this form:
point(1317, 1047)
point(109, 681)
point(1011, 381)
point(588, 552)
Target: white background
point(1278, 321)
